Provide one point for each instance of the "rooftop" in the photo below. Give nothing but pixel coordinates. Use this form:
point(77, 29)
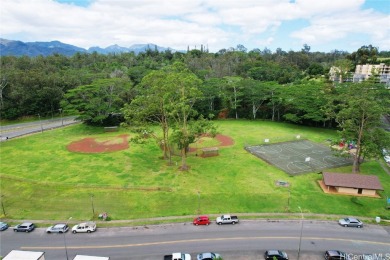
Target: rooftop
point(351, 180)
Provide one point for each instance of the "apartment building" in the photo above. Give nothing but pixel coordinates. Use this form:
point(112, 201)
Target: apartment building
point(380, 71)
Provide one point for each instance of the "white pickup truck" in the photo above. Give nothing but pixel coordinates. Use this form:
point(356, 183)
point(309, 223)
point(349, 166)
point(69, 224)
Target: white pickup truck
point(178, 256)
point(86, 227)
point(227, 219)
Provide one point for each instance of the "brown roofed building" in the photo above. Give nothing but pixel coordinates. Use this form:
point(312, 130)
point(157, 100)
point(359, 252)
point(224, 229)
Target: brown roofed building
point(351, 184)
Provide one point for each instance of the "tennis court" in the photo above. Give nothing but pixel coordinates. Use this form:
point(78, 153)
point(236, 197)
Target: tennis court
point(298, 157)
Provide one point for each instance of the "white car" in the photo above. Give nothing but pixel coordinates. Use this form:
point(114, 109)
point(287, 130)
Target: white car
point(86, 227)
point(387, 158)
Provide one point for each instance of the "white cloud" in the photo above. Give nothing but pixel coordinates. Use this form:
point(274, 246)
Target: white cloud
point(333, 27)
point(181, 23)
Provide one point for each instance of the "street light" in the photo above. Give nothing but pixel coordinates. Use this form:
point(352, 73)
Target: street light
point(62, 120)
point(300, 237)
point(40, 121)
point(66, 249)
point(198, 202)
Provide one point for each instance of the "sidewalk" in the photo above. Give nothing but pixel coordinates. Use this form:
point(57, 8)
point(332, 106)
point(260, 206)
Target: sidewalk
point(189, 218)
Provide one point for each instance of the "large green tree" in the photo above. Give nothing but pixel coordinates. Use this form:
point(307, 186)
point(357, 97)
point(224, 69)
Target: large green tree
point(150, 106)
point(167, 97)
point(358, 111)
point(97, 102)
point(304, 102)
point(181, 102)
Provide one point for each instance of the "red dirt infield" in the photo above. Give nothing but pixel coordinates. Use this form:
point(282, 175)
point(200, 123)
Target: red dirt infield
point(118, 143)
point(224, 140)
point(91, 145)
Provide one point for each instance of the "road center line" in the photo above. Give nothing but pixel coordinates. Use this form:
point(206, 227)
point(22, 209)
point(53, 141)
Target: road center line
point(201, 240)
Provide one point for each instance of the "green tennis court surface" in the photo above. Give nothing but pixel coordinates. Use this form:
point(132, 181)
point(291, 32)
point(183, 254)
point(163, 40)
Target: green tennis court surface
point(297, 157)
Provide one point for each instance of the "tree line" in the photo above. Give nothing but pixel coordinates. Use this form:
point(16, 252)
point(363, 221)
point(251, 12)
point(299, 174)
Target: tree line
point(37, 85)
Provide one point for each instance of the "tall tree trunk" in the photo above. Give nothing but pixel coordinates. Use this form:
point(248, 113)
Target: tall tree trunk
point(254, 110)
point(235, 101)
point(356, 158)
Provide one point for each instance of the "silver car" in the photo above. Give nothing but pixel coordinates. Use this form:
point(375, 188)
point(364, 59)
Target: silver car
point(350, 222)
point(208, 256)
point(58, 228)
point(3, 226)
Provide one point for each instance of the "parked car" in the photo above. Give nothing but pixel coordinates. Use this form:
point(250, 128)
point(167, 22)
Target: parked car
point(386, 155)
point(3, 226)
point(86, 227)
point(387, 158)
point(275, 254)
point(24, 227)
point(58, 228)
point(208, 256)
point(177, 256)
point(201, 220)
point(336, 255)
point(227, 219)
point(351, 222)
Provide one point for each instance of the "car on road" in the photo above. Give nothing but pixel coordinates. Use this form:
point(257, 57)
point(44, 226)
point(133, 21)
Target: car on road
point(58, 228)
point(3, 226)
point(227, 219)
point(86, 227)
point(351, 222)
point(201, 220)
point(24, 227)
point(208, 256)
point(275, 254)
point(336, 255)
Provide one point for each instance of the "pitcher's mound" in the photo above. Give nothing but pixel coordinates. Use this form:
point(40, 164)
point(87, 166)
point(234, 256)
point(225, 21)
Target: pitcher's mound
point(91, 145)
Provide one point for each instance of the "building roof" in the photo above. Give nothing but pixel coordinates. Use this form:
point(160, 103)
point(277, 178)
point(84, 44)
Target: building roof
point(348, 180)
point(24, 255)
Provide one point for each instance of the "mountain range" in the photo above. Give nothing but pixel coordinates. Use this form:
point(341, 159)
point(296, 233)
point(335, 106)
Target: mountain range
point(32, 49)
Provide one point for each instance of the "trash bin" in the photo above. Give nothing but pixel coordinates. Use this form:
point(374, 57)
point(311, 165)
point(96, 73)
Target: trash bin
point(103, 216)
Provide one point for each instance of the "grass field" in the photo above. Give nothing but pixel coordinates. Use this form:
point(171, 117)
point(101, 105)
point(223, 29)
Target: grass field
point(41, 179)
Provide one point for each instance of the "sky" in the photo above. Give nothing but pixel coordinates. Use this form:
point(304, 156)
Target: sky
point(324, 25)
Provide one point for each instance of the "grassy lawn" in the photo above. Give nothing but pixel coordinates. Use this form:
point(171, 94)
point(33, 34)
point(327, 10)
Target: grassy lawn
point(41, 179)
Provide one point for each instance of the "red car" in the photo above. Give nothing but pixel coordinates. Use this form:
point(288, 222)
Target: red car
point(201, 220)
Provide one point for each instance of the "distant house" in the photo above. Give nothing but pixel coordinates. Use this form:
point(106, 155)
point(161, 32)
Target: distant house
point(336, 75)
point(351, 184)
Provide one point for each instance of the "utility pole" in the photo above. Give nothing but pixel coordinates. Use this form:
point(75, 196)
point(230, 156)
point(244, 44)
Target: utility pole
point(2, 205)
point(66, 249)
point(40, 121)
point(93, 208)
point(62, 119)
point(300, 237)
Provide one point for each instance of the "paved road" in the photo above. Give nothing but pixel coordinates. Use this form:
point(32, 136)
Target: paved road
point(17, 130)
point(247, 240)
